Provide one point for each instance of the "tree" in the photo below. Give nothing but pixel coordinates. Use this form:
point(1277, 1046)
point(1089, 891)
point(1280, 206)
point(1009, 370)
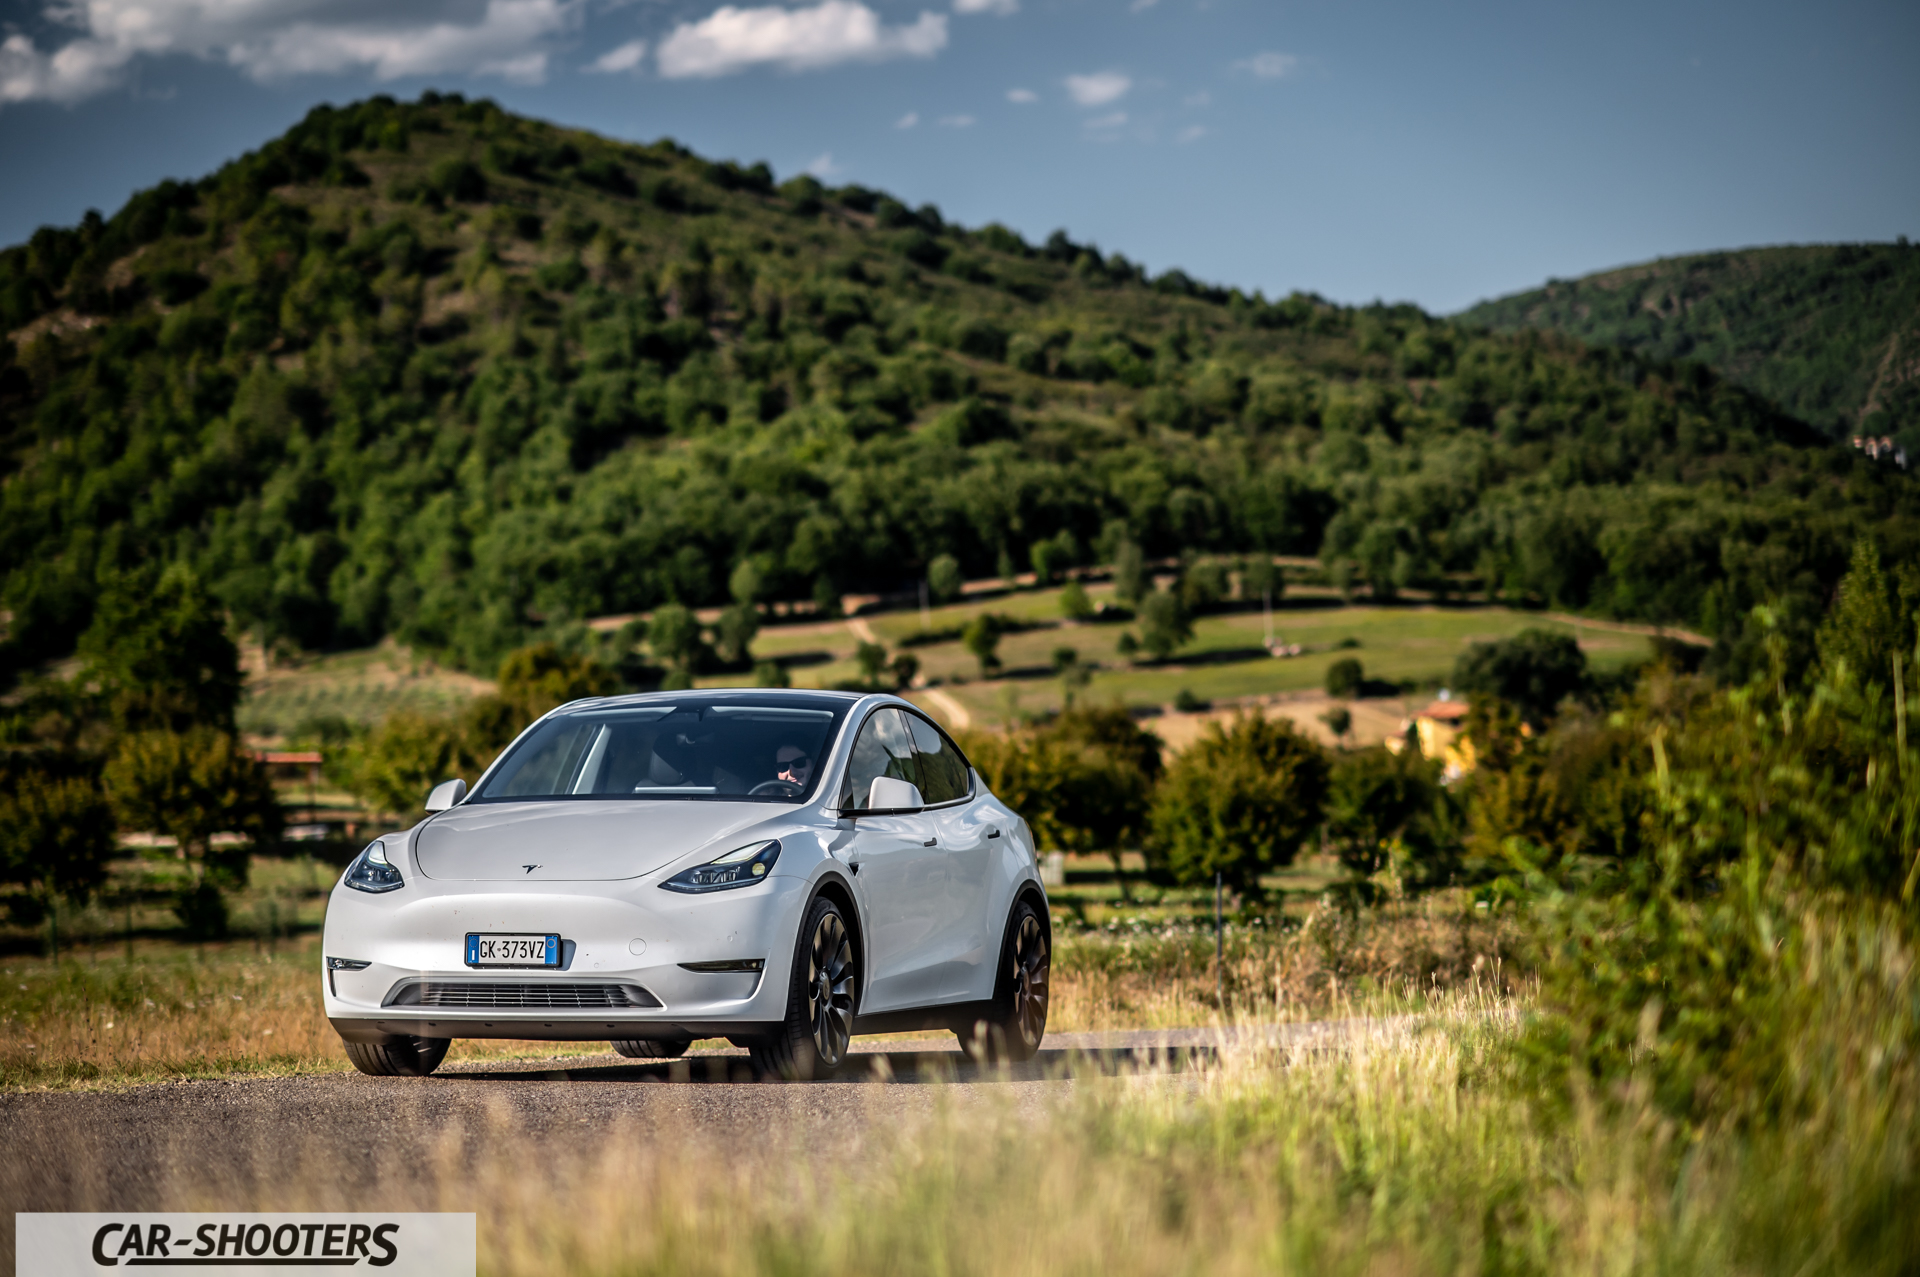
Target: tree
point(1533, 671)
point(56, 835)
point(735, 632)
point(747, 582)
point(1384, 808)
point(982, 639)
point(159, 653)
point(1074, 603)
point(398, 763)
point(1203, 585)
point(674, 636)
point(1261, 579)
point(944, 579)
point(1339, 720)
point(1346, 678)
point(1870, 622)
point(1130, 581)
point(1239, 801)
point(1084, 780)
point(192, 785)
point(906, 668)
point(1164, 624)
point(872, 660)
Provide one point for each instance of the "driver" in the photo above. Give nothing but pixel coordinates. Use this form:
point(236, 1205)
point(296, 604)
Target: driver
point(792, 764)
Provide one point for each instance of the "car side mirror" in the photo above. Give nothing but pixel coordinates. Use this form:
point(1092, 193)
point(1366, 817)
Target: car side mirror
point(446, 794)
point(890, 794)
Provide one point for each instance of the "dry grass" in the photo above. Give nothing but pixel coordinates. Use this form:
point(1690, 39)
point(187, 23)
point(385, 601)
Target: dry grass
point(1411, 1150)
point(235, 1008)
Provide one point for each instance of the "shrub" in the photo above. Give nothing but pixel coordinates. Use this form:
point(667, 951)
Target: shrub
point(1345, 678)
point(1534, 671)
point(1240, 801)
point(1164, 624)
point(943, 578)
point(1074, 603)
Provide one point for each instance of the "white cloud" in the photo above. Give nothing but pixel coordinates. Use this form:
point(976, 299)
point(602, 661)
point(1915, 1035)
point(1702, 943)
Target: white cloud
point(731, 39)
point(956, 121)
point(1192, 133)
point(627, 57)
point(824, 167)
point(76, 70)
point(270, 39)
point(1001, 7)
point(1099, 88)
point(908, 120)
point(1022, 96)
point(1268, 66)
point(1112, 121)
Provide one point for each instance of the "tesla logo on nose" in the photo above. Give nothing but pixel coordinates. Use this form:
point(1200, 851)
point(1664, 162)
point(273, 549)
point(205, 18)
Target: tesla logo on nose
point(529, 868)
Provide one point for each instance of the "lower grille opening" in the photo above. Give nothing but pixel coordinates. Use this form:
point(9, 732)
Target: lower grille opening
point(530, 995)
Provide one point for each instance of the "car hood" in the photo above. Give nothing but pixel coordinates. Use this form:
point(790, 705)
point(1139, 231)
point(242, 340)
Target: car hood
point(572, 841)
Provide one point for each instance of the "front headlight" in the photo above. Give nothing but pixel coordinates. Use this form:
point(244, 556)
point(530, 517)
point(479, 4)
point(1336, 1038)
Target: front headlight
point(372, 871)
point(740, 868)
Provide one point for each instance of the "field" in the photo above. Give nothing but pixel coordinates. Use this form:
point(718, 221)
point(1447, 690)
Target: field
point(1408, 647)
point(1413, 1146)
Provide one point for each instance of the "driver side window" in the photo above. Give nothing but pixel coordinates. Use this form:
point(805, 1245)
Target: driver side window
point(883, 748)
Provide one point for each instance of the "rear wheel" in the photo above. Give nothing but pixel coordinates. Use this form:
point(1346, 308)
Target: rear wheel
point(1019, 1018)
point(408, 1057)
point(813, 1040)
point(652, 1048)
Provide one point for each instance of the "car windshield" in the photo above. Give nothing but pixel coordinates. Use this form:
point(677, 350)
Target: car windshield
point(738, 749)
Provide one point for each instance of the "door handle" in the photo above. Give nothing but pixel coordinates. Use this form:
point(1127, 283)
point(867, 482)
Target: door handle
point(993, 833)
point(853, 864)
point(930, 842)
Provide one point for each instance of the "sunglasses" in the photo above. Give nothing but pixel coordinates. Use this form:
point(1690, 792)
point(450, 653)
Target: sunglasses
point(794, 764)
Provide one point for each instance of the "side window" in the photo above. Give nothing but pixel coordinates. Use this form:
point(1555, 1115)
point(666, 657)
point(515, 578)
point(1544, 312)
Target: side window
point(943, 772)
point(883, 748)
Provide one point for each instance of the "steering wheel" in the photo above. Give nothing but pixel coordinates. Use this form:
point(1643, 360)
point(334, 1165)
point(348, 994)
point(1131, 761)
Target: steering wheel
point(784, 788)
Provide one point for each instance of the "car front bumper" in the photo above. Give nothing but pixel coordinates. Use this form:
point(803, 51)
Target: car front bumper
point(622, 943)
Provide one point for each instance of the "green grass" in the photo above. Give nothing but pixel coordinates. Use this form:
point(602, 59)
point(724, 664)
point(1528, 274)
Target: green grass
point(362, 686)
point(1413, 644)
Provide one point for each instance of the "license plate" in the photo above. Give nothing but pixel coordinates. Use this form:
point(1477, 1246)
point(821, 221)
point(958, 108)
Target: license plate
point(512, 950)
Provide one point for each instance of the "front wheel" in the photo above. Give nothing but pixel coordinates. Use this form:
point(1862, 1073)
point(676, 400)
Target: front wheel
point(821, 996)
point(1012, 1031)
point(407, 1057)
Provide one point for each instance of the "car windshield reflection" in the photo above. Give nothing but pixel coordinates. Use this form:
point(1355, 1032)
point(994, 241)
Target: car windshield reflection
point(737, 749)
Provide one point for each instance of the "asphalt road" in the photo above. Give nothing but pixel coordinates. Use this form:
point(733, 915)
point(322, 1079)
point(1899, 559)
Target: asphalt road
point(195, 1144)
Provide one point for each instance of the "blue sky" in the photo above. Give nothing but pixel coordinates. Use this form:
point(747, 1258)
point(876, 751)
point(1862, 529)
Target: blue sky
point(1424, 152)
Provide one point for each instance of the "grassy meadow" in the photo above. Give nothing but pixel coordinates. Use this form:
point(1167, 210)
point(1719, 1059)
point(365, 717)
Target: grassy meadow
point(1418, 1146)
point(130, 1002)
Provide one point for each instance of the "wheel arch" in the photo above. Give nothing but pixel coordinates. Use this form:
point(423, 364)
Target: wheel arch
point(837, 889)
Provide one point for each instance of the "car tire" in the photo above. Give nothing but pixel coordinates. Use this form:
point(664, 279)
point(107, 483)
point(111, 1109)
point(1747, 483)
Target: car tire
point(408, 1057)
point(652, 1048)
point(1011, 1032)
point(822, 996)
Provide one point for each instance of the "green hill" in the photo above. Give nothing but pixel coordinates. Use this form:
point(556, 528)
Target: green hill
point(1831, 332)
point(435, 371)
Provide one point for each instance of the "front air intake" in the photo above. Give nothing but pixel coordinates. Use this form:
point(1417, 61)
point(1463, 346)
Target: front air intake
point(529, 996)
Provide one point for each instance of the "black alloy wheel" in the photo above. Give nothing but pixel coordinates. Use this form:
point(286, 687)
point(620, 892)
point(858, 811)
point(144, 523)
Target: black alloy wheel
point(1019, 1021)
point(821, 998)
point(407, 1057)
point(652, 1048)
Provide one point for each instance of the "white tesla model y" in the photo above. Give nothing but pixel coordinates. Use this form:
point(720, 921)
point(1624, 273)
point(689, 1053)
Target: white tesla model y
point(780, 868)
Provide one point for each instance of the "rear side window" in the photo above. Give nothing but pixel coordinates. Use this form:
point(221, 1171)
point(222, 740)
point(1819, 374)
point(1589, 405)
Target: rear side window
point(884, 747)
point(944, 774)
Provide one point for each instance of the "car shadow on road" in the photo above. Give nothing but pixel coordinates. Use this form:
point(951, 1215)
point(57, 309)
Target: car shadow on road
point(884, 1067)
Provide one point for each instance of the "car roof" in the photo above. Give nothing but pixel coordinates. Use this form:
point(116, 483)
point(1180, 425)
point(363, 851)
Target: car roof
point(722, 696)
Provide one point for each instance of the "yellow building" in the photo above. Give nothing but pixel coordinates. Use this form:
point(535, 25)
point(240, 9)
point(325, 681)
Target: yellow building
point(1440, 731)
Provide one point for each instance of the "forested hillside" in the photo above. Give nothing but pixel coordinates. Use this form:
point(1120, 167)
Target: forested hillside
point(432, 370)
point(1831, 332)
